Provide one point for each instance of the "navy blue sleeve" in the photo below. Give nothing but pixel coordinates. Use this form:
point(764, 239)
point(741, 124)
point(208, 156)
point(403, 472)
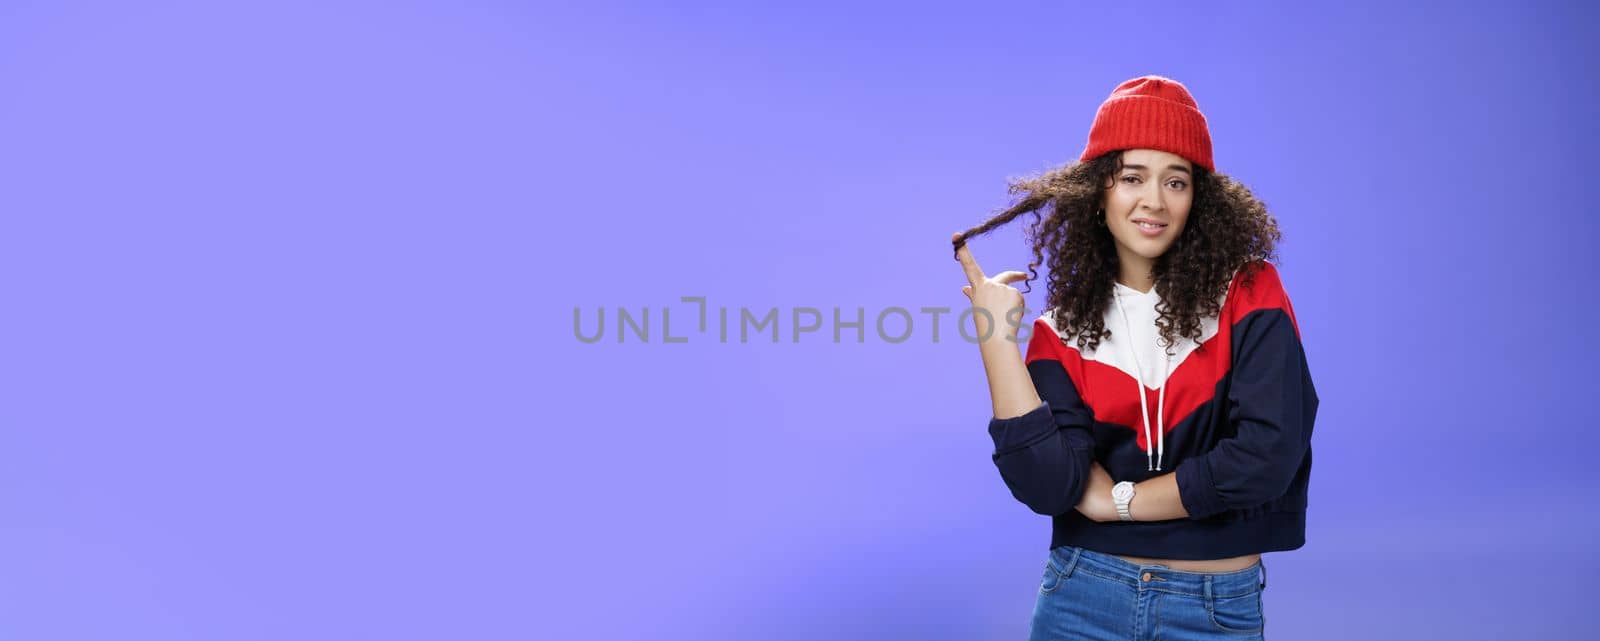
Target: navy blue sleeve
point(1044, 456)
point(1272, 404)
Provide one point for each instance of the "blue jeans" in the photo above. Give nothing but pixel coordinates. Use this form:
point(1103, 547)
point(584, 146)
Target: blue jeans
point(1101, 597)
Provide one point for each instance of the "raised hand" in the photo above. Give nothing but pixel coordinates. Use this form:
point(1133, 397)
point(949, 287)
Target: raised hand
point(992, 294)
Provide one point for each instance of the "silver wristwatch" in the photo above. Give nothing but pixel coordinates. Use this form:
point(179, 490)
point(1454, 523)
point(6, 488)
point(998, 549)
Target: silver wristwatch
point(1122, 493)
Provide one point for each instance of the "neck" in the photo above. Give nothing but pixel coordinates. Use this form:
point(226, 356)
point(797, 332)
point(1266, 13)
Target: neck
point(1135, 270)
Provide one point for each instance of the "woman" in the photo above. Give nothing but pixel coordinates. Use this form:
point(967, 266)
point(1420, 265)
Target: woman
point(1162, 413)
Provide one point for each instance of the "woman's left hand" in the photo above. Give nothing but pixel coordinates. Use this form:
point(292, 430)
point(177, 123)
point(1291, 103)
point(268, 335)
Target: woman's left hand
point(1096, 503)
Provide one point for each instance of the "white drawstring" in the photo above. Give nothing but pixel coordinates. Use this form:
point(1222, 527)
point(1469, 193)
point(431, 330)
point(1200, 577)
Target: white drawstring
point(1152, 455)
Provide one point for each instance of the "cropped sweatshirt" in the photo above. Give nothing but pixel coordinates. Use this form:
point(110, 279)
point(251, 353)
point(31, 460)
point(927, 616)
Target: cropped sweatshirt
point(1230, 415)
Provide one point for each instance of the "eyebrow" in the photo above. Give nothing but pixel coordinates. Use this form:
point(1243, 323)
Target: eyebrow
point(1142, 167)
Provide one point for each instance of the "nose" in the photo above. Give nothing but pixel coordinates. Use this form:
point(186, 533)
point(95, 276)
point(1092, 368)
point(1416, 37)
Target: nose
point(1154, 201)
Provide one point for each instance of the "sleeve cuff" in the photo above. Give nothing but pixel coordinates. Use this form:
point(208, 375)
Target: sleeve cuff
point(1197, 490)
point(1018, 432)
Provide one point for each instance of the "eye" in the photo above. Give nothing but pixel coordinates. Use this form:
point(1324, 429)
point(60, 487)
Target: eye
point(1130, 178)
point(1178, 184)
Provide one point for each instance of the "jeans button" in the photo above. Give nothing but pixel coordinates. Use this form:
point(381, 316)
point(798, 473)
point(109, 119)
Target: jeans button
point(1147, 576)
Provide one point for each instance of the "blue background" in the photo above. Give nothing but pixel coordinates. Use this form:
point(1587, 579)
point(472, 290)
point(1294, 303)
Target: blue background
point(291, 287)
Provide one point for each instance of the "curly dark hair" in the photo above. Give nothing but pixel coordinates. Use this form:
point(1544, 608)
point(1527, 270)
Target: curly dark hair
point(1228, 229)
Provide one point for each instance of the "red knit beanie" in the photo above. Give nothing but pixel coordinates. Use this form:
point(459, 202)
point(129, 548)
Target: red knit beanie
point(1151, 112)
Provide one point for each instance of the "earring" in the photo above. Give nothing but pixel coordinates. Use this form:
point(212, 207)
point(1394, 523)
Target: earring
point(1100, 217)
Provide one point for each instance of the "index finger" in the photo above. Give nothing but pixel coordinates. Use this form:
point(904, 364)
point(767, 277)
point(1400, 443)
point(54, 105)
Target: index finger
point(970, 266)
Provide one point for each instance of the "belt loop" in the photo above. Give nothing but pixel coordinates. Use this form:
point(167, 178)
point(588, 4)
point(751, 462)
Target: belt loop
point(1072, 562)
point(1263, 575)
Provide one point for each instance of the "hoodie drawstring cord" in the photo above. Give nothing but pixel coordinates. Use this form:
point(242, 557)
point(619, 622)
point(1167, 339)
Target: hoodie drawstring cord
point(1152, 455)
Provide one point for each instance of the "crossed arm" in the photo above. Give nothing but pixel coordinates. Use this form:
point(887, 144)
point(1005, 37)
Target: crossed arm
point(1154, 499)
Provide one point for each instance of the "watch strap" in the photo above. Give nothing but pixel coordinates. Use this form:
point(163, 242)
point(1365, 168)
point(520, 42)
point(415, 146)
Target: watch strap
point(1124, 506)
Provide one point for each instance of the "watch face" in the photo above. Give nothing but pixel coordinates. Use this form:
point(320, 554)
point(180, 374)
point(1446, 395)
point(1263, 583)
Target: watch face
point(1122, 491)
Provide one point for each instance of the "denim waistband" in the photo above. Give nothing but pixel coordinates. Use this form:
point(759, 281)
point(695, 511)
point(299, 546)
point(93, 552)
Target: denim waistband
point(1155, 576)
